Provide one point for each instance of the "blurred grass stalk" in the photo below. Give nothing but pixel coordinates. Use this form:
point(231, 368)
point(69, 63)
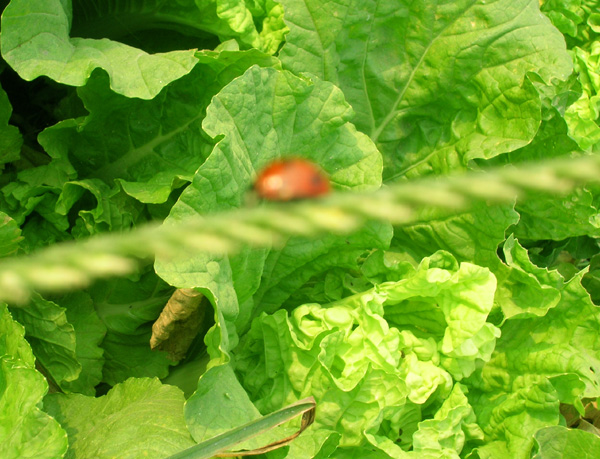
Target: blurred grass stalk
point(75, 264)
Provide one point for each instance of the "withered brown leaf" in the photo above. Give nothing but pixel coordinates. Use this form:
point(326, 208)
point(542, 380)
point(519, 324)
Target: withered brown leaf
point(178, 323)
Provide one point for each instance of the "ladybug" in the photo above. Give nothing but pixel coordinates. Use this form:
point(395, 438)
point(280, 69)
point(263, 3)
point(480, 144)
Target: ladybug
point(288, 179)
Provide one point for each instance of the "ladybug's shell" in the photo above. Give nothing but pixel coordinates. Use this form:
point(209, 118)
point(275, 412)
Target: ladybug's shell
point(287, 179)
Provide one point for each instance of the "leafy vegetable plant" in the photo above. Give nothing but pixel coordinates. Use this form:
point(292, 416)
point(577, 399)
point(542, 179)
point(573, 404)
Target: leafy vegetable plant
point(430, 309)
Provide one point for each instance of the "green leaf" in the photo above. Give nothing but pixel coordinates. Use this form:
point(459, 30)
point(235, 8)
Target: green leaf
point(127, 307)
point(560, 342)
point(233, 437)
point(146, 142)
point(10, 137)
point(301, 259)
point(257, 24)
point(130, 356)
point(52, 338)
point(124, 304)
point(36, 41)
point(37, 188)
point(363, 357)
point(114, 209)
point(434, 85)
point(32, 197)
point(453, 424)
point(10, 236)
point(510, 417)
point(582, 116)
point(442, 436)
point(591, 280)
point(25, 430)
point(263, 115)
point(321, 132)
point(553, 138)
point(89, 333)
point(473, 236)
point(549, 217)
point(523, 288)
point(39, 232)
point(566, 15)
point(536, 365)
point(281, 360)
point(558, 442)
point(220, 404)
point(154, 146)
point(451, 303)
point(138, 418)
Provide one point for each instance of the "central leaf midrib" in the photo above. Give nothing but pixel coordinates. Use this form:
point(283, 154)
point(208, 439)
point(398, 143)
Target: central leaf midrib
point(375, 133)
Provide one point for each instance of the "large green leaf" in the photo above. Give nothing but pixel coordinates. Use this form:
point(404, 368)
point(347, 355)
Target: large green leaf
point(125, 39)
point(286, 270)
point(138, 418)
point(220, 404)
point(372, 357)
point(511, 417)
point(25, 430)
point(582, 116)
point(549, 217)
point(443, 436)
point(538, 362)
point(152, 146)
point(524, 288)
point(66, 334)
point(36, 41)
point(473, 236)
point(52, 337)
point(127, 307)
point(433, 84)
point(558, 442)
point(263, 115)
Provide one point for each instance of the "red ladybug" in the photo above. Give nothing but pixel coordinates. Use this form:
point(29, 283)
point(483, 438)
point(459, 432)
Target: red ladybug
point(287, 179)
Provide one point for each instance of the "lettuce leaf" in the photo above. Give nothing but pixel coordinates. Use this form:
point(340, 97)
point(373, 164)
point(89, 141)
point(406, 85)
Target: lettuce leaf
point(127, 308)
point(368, 357)
point(461, 335)
point(52, 336)
point(137, 418)
point(36, 42)
point(538, 363)
point(556, 442)
point(285, 116)
point(25, 430)
point(433, 85)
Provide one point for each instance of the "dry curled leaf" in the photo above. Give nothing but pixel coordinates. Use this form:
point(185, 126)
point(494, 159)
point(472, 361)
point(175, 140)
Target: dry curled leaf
point(592, 414)
point(590, 421)
point(178, 323)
